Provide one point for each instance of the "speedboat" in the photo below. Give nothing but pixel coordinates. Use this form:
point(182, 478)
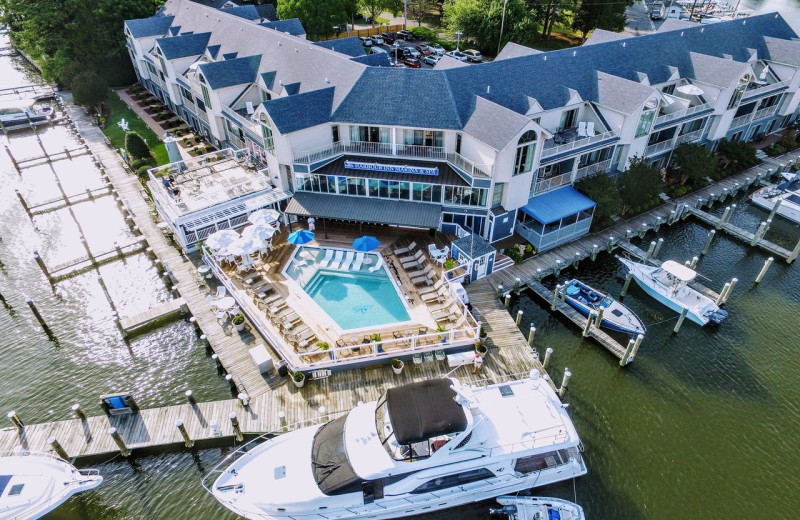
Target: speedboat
point(420, 448)
point(23, 113)
point(33, 484)
point(787, 192)
point(538, 508)
point(616, 316)
point(669, 284)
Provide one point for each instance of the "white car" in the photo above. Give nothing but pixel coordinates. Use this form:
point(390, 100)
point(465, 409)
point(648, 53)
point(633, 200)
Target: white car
point(473, 55)
point(457, 55)
point(437, 49)
point(365, 41)
point(431, 59)
point(376, 40)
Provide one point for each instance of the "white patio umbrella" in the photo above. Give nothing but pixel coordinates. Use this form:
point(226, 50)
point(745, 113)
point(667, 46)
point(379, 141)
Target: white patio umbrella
point(691, 90)
point(243, 247)
point(221, 239)
point(264, 216)
point(259, 232)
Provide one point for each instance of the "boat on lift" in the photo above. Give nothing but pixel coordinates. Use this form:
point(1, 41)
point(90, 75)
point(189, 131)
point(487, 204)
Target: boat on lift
point(33, 484)
point(787, 192)
point(669, 285)
point(616, 316)
point(419, 448)
point(538, 508)
point(23, 113)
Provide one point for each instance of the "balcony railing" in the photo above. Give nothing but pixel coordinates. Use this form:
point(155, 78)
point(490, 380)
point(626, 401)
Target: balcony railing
point(234, 139)
point(202, 115)
point(577, 143)
point(658, 147)
point(690, 137)
point(551, 183)
point(761, 89)
point(765, 112)
point(681, 113)
point(466, 165)
point(742, 120)
point(593, 168)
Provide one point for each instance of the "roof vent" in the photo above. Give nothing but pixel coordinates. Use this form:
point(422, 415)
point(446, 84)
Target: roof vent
point(545, 58)
point(488, 88)
point(295, 50)
point(326, 80)
point(681, 33)
point(624, 44)
point(702, 29)
point(574, 53)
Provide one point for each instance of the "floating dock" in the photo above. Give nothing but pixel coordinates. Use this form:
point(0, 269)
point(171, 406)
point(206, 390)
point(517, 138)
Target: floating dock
point(153, 316)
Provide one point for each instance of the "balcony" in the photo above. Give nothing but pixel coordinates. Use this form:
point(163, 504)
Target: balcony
point(602, 166)
point(235, 141)
point(690, 137)
point(741, 120)
point(658, 147)
point(551, 183)
point(551, 149)
point(765, 113)
point(756, 89)
point(682, 113)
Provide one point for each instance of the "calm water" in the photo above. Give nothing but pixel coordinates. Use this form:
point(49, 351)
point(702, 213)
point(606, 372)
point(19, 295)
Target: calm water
point(702, 425)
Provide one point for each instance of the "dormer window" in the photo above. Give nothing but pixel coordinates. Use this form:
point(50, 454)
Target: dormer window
point(738, 92)
point(523, 163)
point(645, 121)
point(266, 133)
point(204, 88)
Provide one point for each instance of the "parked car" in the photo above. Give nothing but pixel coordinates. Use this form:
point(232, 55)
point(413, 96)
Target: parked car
point(401, 53)
point(376, 40)
point(377, 50)
point(414, 53)
point(457, 55)
point(423, 49)
point(405, 35)
point(473, 55)
point(412, 63)
point(437, 49)
point(388, 38)
point(365, 41)
point(431, 59)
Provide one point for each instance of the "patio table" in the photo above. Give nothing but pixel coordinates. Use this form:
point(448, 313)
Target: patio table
point(226, 303)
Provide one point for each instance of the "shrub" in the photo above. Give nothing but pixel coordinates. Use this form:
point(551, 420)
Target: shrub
point(424, 33)
point(142, 171)
point(638, 184)
point(601, 189)
point(209, 149)
point(740, 155)
point(136, 146)
point(138, 163)
point(514, 254)
point(178, 133)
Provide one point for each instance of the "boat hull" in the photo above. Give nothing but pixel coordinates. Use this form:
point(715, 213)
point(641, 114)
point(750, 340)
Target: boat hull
point(626, 321)
point(527, 508)
point(788, 210)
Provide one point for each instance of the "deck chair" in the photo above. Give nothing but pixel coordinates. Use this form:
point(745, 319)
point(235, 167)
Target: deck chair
point(582, 129)
point(443, 314)
point(416, 262)
point(359, 261)
point(210, 300)
point(337, 260)
point(327, 260)
point(411, 258)
point(590, 129)
point(428, 290)
point(438, 296)
point(377, 265)
point(406, 250)
point(421, 272)
point(221, 292)
point(425, 279)
point(348, 259)
point(433, 251)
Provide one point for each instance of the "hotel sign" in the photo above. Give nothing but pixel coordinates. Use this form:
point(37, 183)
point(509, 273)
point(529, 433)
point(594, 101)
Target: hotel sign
point(391, 168)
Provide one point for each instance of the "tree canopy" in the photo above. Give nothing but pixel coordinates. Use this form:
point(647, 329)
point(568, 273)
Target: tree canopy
point(603, 190)
point(136, 146)
point(89, 89)
point(600, 14)
point(638, 184)
point(68, 36)
point(479, 21)
point(693, 162)
point(318, 17)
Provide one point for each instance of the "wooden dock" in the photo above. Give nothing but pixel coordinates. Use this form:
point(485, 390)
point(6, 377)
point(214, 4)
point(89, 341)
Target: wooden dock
point(152, 316)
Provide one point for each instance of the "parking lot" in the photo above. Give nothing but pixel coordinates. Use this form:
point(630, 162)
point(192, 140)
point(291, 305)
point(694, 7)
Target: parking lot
point(418, 49)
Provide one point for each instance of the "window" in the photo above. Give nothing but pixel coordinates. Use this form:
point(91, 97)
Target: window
point(204, 88)
point(497, 195)
point(692, 126)
point(458, 143)
point(523, 163)
point(645, 122)
point(265, 96)
point(568, 118)
point(737, 96)
point(163, 64)
point(266, 134)
point(669, 89)
point(369, 134)
point(423, 137)
point(335, 133)
point(187, 95)
point(458, 479)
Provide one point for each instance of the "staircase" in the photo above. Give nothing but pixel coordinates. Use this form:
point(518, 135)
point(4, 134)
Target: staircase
point(501, 262)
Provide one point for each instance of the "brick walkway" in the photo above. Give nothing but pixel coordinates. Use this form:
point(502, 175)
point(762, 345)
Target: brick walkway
point(148, 119)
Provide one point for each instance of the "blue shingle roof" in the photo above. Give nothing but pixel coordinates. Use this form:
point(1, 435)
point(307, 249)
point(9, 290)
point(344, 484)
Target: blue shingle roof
point(301, 111)
point(380, 59)
point(291, 26)
point(229, 55)
point(248, 12)
point(221, 74)
point(292, 88)
point(557, 204)
point(350, 46)
point(267, 12)
point(269, 78)
point(213, 50)
point(184, 45)
point(153, 26)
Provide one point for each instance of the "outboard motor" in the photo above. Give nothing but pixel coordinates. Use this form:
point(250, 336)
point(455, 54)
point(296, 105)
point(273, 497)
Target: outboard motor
point(508, 510)
point(718, 316)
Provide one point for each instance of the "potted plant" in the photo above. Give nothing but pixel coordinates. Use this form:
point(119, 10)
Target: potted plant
point(449, 264)
point(480, 348)
point(483, 332)
point(323, 345)
point(298, 378)
point(238, 322)
point(397, 365)
point(377, 339)
point(441, 330)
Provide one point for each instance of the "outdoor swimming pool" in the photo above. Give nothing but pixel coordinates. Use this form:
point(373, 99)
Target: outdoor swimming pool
point(354, 299)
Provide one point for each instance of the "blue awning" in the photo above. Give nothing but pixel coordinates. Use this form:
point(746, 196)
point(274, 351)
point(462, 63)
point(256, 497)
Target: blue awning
point(557, 204)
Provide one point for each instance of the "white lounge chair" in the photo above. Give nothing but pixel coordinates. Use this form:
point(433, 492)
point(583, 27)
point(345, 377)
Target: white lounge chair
point(590, 129)
point(582, 129)
point(327, 260)
point(221, 292)
point(377, 265)
point(404, 250)
point(337, 260)
point(358, 262)
point(348, 259)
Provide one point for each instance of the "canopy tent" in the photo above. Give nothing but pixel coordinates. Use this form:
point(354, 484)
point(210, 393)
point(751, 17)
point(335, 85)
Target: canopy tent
point(557, 204)
point(221, 239)
point(369, 210)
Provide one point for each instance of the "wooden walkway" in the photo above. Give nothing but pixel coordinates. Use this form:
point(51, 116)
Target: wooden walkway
point(154, 315)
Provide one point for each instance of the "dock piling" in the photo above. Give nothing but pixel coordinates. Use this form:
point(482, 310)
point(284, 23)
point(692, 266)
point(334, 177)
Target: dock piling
point(684, 312)
point(237, 431)
point(650, 250)
point(594, 252)
point(576, 260)
point(538, 274)
point(508, 300)
point(658, 247)
point(519, 317)
point(762, 229)
point(548, 353)
point(564, 382)
point(794, 254)
point(731, 285)
point(774, 209)
point(724, 290)
point(725, 215)
point(626, 358)
point(60, 451)
point(636, 345)
point(190, 398)
point(599, 317)
point(531, 335)
point(554, 305)
point(643, 230)
point(24, 204)
point(244, 399)
point(187, 441)
point(610, 243)
point(14, 418)
point(626, 285)
point(40, 263)
point(693, 264)
point(120, 443)
point(708, 242)
point(76, 409)
point(767, 263)
point(588, 325)
point(558, 267)
point(282, 420)
point(38, 316)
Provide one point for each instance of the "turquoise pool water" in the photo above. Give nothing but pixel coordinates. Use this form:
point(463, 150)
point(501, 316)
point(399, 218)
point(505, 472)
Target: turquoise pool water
point(356, 300)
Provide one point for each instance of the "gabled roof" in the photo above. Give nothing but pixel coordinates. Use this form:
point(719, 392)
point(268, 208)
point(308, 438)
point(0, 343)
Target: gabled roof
point(229, 55)
point(293, 113)
point(515, 50)
point(379, 59)
point(221, 74)
point(248, 12)
point(184, 45)
point(350, 46)
point(673, 24)
point(621, 94)
point(291, 26)
point(603, 36)
point(291, 88)
point(213, 50)
point(153, 26)
point(782, 51)
point(493, 124)
point(716, 71)
point(269, 79)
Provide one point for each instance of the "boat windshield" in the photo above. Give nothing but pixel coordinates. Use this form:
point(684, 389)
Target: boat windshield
point(383, 424)
point(332, 470)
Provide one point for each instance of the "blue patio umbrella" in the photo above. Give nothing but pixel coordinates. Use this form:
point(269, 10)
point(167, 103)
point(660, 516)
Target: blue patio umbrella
point(365, 243)
point(300, 237)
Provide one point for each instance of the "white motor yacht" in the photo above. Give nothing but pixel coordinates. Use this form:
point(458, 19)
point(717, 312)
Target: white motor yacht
point(33, 484)
point(538, 508)
point(669, 285)
point(420, 448)
point(787, 192)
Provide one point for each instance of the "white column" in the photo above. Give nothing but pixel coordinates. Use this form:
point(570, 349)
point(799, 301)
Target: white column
point(394, 140)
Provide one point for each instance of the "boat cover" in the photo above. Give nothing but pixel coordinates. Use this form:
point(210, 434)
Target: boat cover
point(423, 410)
point(681, 272)
point(332, 469)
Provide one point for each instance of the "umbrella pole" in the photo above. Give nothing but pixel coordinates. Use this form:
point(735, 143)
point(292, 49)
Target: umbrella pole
point(324, 228)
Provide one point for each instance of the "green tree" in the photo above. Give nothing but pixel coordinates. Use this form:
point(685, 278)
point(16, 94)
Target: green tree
point(136, 146)
point(318, 17)
point(375, 7)
point(547, 13)
point(693, 162)
point(600, 14)
point(418, 9)
point(638, 184)
point(479, 21)
point(602, 189)
point(89, 89)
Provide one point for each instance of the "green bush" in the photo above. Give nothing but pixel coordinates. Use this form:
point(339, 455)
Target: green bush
point(424, 33)
point(136, 146)
point(142, 171)
point(138, 163)
point(514, 254)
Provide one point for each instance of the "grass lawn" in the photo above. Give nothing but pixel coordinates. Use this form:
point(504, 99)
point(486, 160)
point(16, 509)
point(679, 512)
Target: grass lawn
point(120, 110)
point(560, 38)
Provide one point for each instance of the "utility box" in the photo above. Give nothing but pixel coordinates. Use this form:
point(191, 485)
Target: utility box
point(458, 293)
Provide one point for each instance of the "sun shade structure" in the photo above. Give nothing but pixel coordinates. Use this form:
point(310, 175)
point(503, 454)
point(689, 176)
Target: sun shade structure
point(221, 239)
point(263, 216)
point(365, 243)
point(259, 232)
point(557, 204)
point(300, 237)
point(681, 272)
point(423, 410)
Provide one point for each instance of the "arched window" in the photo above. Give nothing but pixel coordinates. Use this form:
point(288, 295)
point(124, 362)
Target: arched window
point(523, 163)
